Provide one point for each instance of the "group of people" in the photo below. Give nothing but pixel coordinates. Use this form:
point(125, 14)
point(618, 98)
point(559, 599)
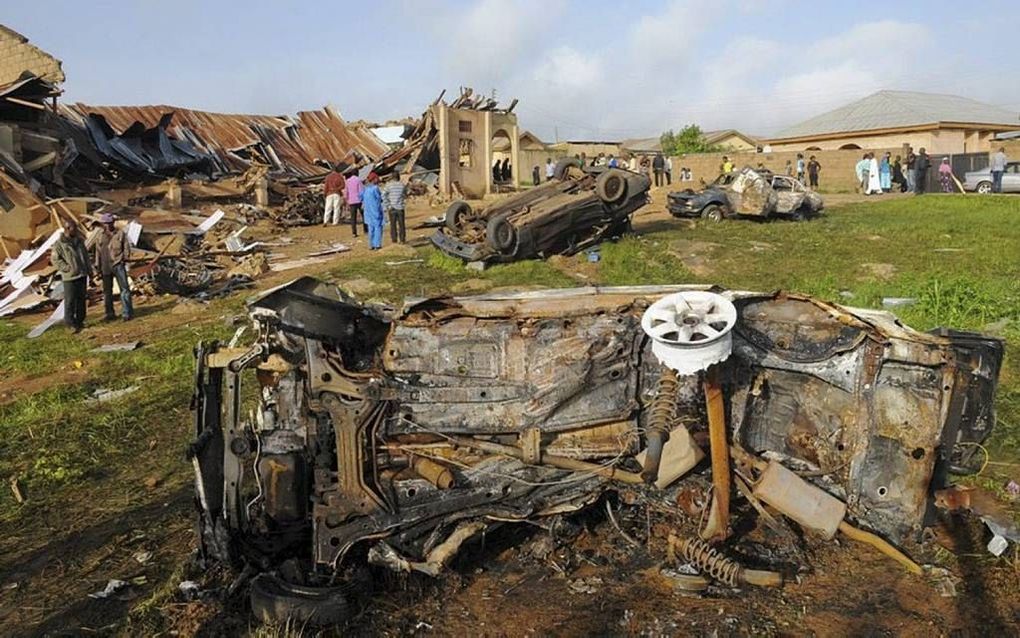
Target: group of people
point(876, 175)
point(70, 256)
point(501, 171)
point(658, 167)
point(372, 202)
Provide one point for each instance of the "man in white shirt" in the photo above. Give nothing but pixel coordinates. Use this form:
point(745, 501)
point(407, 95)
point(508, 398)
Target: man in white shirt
point(550, 169)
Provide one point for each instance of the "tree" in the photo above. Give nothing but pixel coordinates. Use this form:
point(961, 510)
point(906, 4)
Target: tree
point(690, 139)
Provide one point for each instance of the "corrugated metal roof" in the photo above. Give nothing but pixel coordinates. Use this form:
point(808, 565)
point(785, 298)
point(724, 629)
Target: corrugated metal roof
point(291, 145)
point(899, 109)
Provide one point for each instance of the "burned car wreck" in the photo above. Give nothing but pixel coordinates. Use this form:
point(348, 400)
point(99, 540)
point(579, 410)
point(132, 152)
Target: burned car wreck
point(577, 208)
point(393, 438)
point(747, 193)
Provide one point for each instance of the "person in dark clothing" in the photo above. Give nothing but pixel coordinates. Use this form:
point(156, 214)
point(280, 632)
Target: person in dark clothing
point(658, 166)
point(497, 172)
point(813, 167)
point(112, 252)
point(504, 171)
point(71, 259)
point(536, 176)
point(921, 166)
point(897, 174)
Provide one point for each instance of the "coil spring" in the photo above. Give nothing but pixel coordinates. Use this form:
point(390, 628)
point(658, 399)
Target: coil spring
point(708, 559)
point(663, 408)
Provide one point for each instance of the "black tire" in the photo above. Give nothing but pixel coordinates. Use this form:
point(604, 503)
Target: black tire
point(562, 166)
point(713, 212)
point(984, 188)
point(501, 234)
point(611, 186)
point(800, 214)
point(276, 601)
point(455, 214)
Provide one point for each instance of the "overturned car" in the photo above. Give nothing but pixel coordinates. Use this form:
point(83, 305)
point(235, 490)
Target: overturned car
point(747, 193)
point(394, 438)
point(579, 207)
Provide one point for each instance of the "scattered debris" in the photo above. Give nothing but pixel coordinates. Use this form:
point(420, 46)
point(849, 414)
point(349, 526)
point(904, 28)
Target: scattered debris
point(19, 495)
point(189, 589)
point(102, 395)
point(985, 506)
point(898, 302)
point(142, 557)
point(113, 586)
point(119, 347)
point(587, 585)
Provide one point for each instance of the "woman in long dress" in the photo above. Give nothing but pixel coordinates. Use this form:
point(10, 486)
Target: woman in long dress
point(946, 175)
point(874, 179)
point(885, 173)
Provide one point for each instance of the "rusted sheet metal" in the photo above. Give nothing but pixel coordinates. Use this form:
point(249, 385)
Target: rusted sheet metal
point(295, 146)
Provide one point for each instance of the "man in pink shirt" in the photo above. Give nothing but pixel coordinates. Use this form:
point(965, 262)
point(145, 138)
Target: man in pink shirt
point(354, 188)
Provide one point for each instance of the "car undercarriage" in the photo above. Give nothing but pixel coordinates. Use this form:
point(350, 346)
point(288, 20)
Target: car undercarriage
point(393, 437)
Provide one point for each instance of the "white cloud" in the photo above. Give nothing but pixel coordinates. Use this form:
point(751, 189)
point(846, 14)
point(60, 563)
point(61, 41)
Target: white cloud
point(670, 37)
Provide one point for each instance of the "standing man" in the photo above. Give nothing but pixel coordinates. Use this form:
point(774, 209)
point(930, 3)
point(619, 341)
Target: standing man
point(998, 166)
point(911, 163)
point(354, 189)
point(550, 169)
point(921, 166)
point(393, 201)
point(373, 211)
point(658, 168)
point(112, 252)
point(727, 165)
point(812, 170)
point(612, 161)
point(71, 259)
point(669, 171)
point(333, 189)
point(536, 176)
point(800, 167)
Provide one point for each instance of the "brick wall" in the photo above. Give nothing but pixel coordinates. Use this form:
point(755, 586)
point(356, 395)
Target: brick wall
point(18, 56)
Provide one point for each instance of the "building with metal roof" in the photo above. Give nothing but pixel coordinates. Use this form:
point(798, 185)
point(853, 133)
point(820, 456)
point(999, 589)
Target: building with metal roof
point(888, 119)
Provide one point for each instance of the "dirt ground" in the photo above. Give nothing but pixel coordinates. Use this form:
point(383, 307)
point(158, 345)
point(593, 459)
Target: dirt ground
point(135, 524)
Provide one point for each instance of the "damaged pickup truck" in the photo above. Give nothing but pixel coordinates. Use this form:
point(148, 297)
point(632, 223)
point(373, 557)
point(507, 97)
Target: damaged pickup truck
point(579, 207)
point(393, 437)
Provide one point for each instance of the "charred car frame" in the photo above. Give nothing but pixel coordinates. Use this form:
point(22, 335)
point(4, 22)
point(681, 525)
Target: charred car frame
point(747, 193)
point(577, 208)
point(394, 437)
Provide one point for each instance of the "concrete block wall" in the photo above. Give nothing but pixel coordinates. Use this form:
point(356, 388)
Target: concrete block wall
point(18, 56)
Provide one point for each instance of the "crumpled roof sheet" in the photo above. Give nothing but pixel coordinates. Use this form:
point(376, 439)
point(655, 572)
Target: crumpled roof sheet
point(290, 145)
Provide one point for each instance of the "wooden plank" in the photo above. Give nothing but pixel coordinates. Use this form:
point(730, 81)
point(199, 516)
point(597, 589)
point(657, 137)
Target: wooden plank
point(39, 162)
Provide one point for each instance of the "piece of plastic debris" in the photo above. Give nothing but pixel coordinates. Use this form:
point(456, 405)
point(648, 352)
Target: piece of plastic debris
point(143, 557)
point(898, 302)
point(127, 346)
point(997, 545)
point(1013, 488)
point(112, 587)
point(189, 589)
point(589, 585)
point(102, 395)
point(942, 580)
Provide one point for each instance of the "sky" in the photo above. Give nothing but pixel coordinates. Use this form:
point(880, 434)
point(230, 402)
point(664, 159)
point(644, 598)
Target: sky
point(583, 70)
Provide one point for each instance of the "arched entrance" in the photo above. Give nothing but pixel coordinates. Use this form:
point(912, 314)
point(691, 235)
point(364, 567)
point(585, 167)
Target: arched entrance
point(501, 162)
